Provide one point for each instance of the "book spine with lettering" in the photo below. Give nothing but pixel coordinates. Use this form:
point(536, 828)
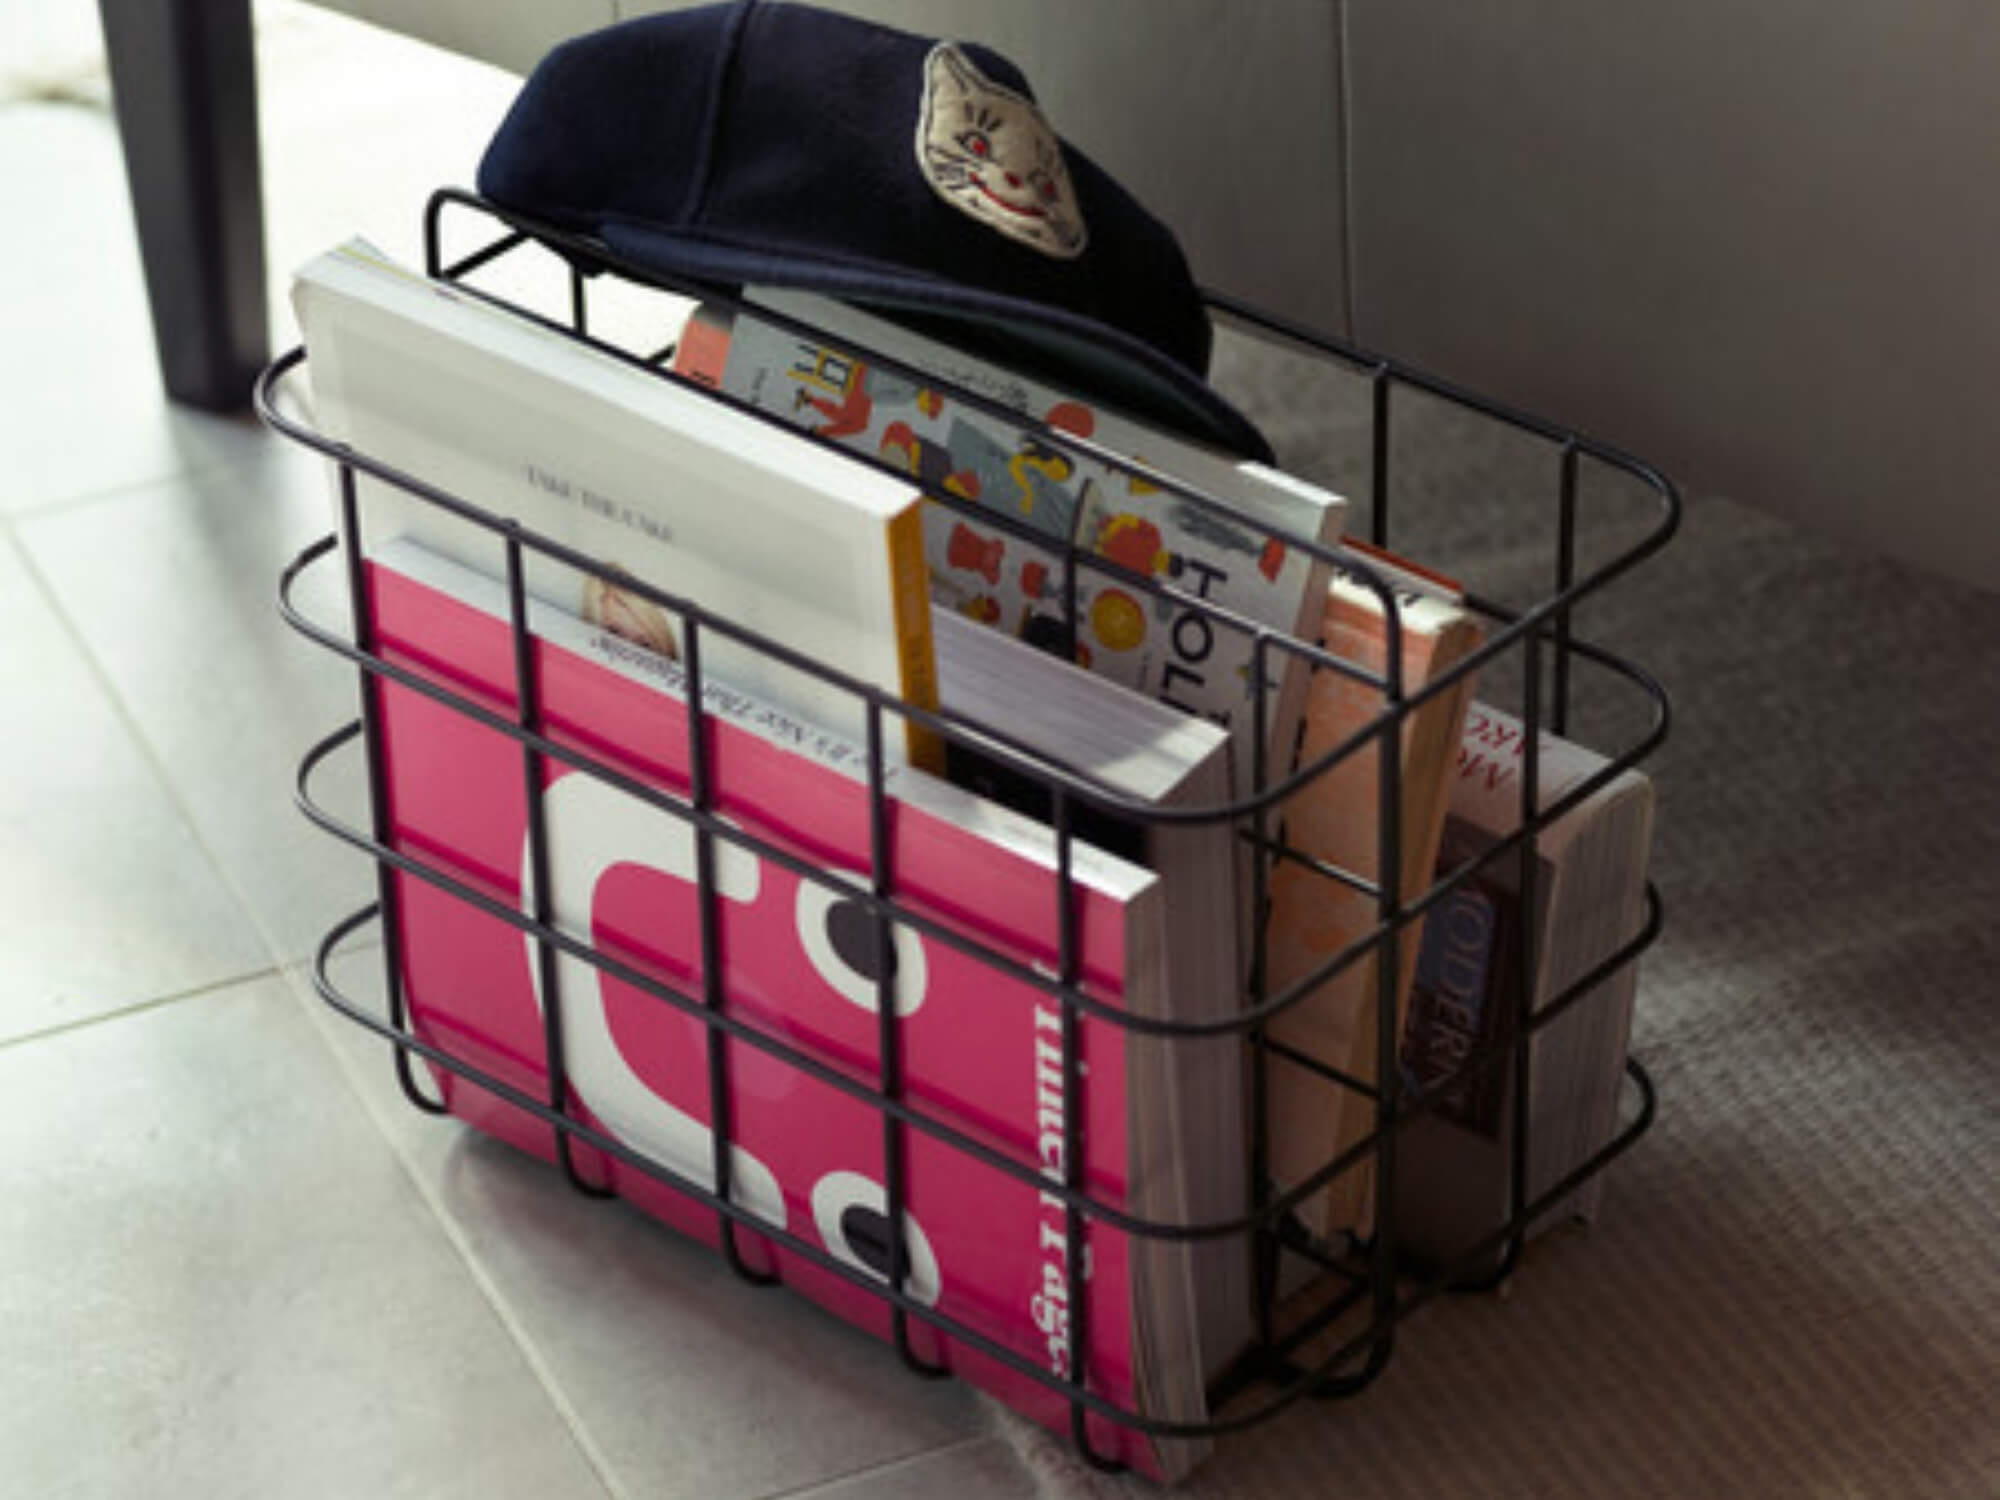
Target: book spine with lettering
point(1335, 819)
point(1463, 991)
point(1163, 649)
point(798, 962)
point(1590, 875)
point(647, 478)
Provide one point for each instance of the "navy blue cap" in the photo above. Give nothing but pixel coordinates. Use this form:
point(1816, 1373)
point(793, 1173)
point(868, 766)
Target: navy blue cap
point(782, 145)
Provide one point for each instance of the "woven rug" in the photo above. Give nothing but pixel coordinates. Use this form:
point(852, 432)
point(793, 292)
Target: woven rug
point(1794, 1287)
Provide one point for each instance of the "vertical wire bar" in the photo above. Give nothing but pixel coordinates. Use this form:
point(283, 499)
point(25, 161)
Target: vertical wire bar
point(1565, 576)
point(1388, 967)
point(1068, 963)
point(579, 310)
point(433, 241)
point(1527, 949)
point(363, 616)
point(1378, 519)
point(1265, 1244)
point(889, 1037)
point(709, 898)
point(528, 714)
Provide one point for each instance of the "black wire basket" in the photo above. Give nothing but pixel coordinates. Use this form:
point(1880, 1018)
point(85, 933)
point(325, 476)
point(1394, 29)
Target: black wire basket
point(1345, 1337)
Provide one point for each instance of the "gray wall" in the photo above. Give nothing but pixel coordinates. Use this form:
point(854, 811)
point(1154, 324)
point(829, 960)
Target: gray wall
point(1756, 242)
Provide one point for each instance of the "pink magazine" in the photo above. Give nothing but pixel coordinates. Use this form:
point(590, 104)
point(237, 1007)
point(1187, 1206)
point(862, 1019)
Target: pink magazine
point(980, 1050)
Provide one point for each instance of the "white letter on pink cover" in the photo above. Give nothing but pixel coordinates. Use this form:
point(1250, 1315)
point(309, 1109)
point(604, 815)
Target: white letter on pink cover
point(592, 828)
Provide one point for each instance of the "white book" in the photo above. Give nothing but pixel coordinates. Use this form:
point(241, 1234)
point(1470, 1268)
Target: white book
point(634, 470)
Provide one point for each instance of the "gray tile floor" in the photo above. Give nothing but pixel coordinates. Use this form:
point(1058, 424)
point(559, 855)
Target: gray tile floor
point(232, 1261)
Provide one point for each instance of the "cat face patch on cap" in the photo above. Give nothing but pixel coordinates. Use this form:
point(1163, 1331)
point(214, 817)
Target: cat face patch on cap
point(988, 152)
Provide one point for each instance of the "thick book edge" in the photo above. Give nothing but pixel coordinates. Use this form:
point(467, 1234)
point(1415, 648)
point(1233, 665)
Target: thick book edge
point(911, 603)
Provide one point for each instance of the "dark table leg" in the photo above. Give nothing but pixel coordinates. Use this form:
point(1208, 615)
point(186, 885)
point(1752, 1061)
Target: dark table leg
point(183, 77)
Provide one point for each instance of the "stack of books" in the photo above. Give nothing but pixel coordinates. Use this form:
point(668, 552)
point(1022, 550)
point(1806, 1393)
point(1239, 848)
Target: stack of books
point(870, 827)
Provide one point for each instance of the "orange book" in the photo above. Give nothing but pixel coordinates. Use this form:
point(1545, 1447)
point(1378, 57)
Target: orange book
point(1313, 917)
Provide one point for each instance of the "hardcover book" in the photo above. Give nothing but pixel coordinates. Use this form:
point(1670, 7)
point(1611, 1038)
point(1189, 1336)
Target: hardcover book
point(797, 960)
point(630, 468)
point(1152, 644)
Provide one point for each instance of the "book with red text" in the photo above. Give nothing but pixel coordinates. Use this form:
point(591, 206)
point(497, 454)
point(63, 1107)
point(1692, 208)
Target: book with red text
point(1454, 1182)
point(797, 961)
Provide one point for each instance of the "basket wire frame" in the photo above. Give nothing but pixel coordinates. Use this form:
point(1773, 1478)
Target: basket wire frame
point(1375, 1276)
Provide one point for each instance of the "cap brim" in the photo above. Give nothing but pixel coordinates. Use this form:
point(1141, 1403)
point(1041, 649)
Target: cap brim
point(1062, 347)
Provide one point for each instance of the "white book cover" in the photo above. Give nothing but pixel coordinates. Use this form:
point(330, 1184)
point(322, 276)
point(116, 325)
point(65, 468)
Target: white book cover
point(636, 471)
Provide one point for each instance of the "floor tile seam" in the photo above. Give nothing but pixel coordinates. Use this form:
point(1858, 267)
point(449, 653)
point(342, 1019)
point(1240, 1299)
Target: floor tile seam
point(306, 969)
point(124, 488)
point(831, 1482)
point(143, 1007)
point(245, 910)
point(299, 977)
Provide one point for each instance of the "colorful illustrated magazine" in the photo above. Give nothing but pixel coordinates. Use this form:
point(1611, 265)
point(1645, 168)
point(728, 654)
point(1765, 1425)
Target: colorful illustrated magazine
point(1155, 645)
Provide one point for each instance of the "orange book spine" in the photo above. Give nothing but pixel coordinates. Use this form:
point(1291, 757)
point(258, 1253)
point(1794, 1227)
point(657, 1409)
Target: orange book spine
point(910, 579)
